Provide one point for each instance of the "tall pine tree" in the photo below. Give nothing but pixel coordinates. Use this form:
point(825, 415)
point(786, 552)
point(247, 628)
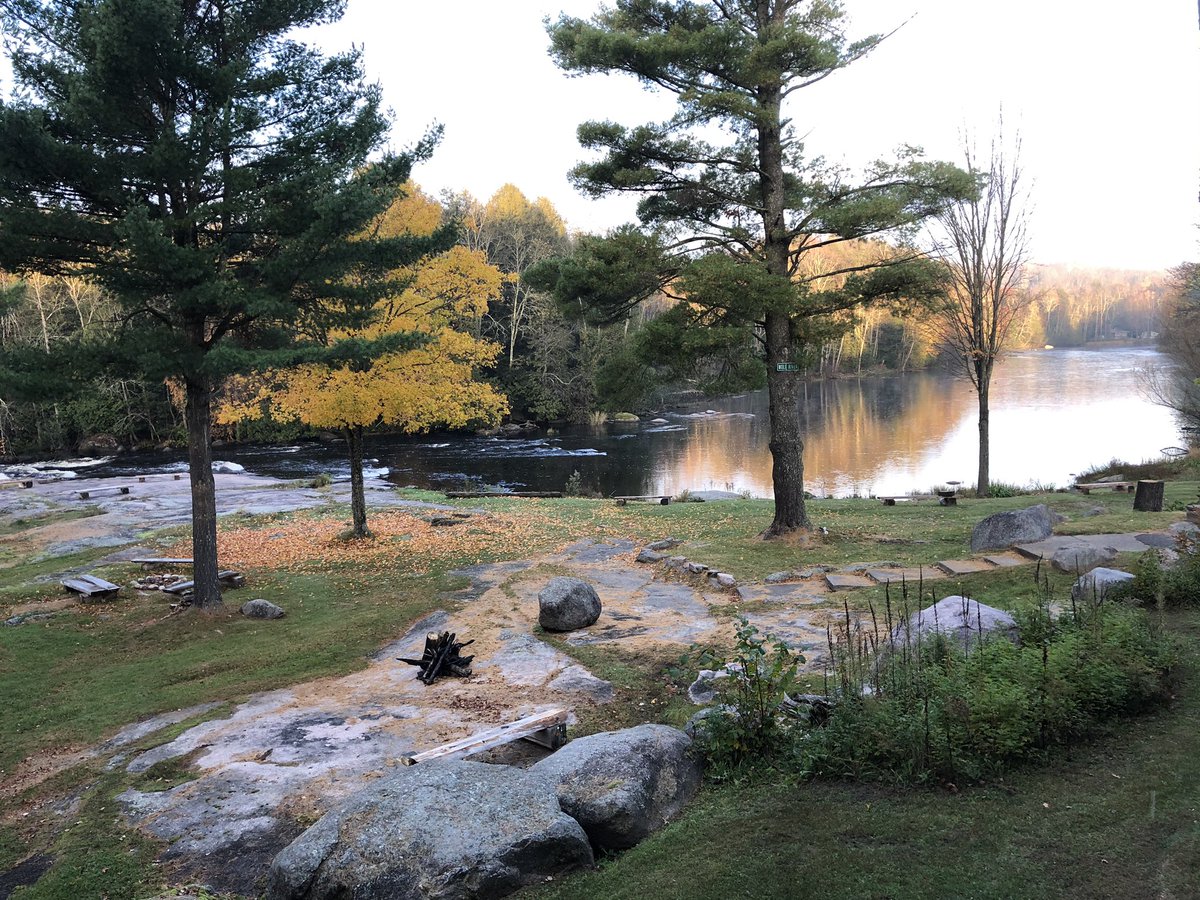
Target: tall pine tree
point(731, 208)
point(213, 172)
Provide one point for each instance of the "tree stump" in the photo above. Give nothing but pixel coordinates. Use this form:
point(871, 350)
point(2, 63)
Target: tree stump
point(1149, 496)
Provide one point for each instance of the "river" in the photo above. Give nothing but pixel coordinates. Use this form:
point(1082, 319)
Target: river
point(1054, 413)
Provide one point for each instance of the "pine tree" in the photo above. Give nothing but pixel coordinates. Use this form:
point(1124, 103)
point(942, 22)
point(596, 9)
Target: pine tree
point(731, 208)
point(211, 171)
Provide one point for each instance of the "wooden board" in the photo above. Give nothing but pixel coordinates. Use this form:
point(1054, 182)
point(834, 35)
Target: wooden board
point(227, 578)
point(1111, 485)
point(660, 499)
point(90, 586)
point(551, 720)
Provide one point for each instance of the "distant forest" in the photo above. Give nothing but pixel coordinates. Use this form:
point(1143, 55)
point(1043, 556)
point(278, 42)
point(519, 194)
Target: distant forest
point(551, 363)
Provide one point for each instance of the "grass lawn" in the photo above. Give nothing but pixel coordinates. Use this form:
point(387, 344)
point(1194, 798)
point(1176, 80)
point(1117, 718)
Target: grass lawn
point(1119, 818)
point(71, 680)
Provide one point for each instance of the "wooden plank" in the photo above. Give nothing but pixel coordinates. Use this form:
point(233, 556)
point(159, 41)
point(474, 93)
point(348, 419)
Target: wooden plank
point(1097, 485)
point(227, 578)
point(89, 587)
point(493, 737)
point(660, 499)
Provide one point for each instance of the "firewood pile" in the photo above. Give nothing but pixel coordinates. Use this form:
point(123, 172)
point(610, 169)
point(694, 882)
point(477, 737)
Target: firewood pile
point(442, 656)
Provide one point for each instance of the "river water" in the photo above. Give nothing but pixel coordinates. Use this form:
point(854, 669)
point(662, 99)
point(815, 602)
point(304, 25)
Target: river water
point(1054, 413)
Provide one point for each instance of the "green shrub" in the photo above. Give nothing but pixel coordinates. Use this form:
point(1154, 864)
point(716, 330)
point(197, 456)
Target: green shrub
point(1170, 586)
point(940, 713)
point(748, 725)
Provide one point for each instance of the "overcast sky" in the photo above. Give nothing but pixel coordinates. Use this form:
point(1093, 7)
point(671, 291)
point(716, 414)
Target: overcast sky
point(1105, 95)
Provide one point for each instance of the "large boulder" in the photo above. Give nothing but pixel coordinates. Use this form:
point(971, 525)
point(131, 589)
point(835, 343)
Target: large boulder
point(1017, 526)
point(1099, 583)
point(623, 785)
point(1077, 560)
point(262, 609)
point(444, 829)
point(961, 618)
point(566, 604)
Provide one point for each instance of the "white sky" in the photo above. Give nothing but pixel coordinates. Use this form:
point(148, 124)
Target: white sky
point(1104, 94)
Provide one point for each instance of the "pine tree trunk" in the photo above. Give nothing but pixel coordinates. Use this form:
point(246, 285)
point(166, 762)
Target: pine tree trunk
point(206, 594)
point(358, 500)
point(787, 450)
point(982, 481)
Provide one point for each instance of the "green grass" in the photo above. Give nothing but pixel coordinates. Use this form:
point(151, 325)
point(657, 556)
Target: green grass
point(74, 679)
point(79, 676)
point(1117, 819)
point(724, 534)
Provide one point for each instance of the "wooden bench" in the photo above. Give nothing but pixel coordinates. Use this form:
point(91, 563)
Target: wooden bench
point(228, 578)
point(12, 483)
point(1111, 485)
point(947, 496)
point(660, 499)
point(89, 586)
point(546, 729)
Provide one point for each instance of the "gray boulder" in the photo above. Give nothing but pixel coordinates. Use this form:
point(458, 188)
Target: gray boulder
point(1098, 583)
point(1017, 526)
point(703, 690)
point(566, 604)
point(262, 609)
point(578, 680)
point(650, 556)
point(623, 785)
point(960, 618)
point(444, 829)
point(1077, 560)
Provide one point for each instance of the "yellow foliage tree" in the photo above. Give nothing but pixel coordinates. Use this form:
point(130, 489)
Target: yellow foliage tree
point(428, 385)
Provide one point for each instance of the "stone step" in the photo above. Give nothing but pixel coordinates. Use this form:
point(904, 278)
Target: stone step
point(964, 566)
point(840, 582)
point(909, 576)
point(1006, 560)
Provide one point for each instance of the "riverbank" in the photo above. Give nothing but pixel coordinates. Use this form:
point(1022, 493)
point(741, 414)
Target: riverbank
point(73, 679)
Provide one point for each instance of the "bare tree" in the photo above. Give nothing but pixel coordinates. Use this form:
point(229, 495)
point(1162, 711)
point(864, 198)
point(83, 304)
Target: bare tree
point(1178, 386)
point(985, 248)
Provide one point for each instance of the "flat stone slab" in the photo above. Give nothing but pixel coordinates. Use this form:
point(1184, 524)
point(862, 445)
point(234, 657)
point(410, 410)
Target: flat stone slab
point(1005, 560)
point(908, 576)
point(839, 582)
point(791, 592)
point(964, 566)
point(1124, 543)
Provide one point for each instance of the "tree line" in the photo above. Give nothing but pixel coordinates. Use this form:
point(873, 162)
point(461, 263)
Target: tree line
point(203, 225)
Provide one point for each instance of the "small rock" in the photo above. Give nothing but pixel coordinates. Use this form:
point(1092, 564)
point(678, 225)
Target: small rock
point(724, 579)
point(696, 568)
point(566, 604)
point(649, 556)
point(665, 544)
point(445, 521)
point(1077, 560)
point(262, 609)
point(1099, 583)
point(677, 562)
point(778, 577)
point(703, 691)
point(1095, 511)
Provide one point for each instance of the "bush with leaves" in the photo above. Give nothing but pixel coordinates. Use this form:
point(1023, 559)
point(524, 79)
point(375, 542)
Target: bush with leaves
point(1172, 585)
point(941, 713)
point(749, 725)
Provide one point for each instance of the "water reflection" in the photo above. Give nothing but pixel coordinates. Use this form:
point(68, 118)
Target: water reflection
point(1053, 413)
